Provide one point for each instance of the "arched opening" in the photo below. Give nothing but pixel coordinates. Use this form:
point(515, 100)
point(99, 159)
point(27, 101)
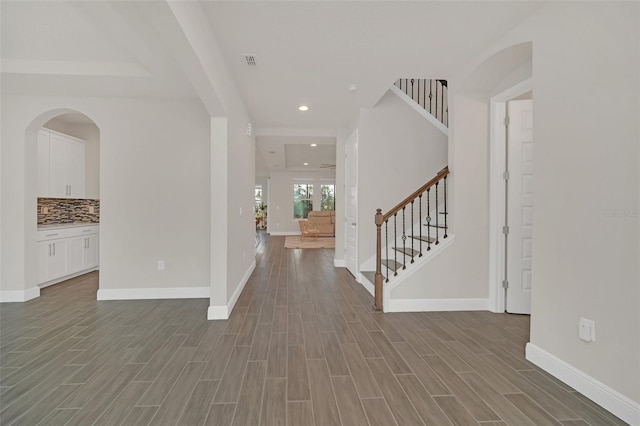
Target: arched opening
point(62, 197)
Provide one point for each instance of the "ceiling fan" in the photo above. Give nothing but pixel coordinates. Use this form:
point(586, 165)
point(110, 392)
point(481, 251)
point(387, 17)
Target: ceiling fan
point(327, 166)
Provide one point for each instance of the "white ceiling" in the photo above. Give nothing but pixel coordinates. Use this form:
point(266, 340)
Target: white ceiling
point(307, 52)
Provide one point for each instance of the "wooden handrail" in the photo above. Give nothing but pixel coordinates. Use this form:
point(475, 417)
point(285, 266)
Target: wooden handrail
point(441, 174)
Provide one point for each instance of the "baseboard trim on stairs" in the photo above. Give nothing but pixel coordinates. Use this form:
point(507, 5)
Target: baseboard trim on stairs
point(608, 398)
point(222, 312)
point(12, 296)
point(435, 305)
point(153, 293)
point(284, 233)
point(339, 263)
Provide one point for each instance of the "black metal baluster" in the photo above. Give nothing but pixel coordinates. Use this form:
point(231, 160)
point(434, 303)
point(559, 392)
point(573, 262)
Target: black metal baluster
point(395, 242)
point(412, 81)
point(437, 214)
point(428, 219)
point(420, 227)
point(442, 105)
point(412, 218)
point(430, 95)
point(404, 241)
point(419, 91)
point(386, 245)
point(436, 114)
point(424, 96)
point(446, 213)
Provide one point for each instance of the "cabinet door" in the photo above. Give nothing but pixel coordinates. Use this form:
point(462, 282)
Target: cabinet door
point(91, 252)
point(57, 265)
point(75, 254)
point(75, 168)
point(44, 253)
point(43, 163)
point(58, 186)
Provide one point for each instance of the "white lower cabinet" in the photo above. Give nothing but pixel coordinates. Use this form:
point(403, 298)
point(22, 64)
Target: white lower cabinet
point(66, 251)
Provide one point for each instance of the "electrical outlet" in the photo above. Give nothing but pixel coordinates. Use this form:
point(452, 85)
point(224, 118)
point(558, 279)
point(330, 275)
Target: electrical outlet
point(160, 265)
point(587, 330)
point(240, 211)
point(45, 210)
point(92, 210)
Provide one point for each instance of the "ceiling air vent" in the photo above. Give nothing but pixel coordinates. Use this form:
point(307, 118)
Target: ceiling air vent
point(250, 60)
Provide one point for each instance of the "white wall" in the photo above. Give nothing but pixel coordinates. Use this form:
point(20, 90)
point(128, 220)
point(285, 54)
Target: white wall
point(281, 221)
point(398, 151)
point(443, 277)
point(154, 190)
point(586, 85)
point(91, 135)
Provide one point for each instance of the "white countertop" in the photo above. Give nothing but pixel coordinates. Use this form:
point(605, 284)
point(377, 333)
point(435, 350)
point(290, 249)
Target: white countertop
point(66, 225)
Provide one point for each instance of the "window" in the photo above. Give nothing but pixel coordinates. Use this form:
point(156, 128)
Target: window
point(302, 200)
point(328, 201)
point(258, 197)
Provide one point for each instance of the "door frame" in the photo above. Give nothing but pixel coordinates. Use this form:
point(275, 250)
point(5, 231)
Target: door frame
point(352, 138)
point(497, 112)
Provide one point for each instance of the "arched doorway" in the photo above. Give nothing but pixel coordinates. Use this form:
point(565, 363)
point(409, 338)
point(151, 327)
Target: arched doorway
point(61, 141)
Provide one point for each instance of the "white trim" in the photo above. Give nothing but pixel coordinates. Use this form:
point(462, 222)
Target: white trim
point(433, 305)
point(423, 112)
point(610, 399)
point(299, 132)
point(221, 312)
point(285, 233)
point(154, 293)
point(12, 296)
point(366, 284)
point(339, 263)
point(497, 108)
point(394, 282)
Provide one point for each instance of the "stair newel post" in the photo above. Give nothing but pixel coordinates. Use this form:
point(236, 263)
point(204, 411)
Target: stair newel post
point(437, 214)
point(378, 279)
point(446, 212)
point(420, 227)
point(412, 223)
point(428, 219)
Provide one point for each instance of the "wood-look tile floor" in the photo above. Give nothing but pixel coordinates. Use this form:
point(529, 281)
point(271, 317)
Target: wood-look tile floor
point(302, 347)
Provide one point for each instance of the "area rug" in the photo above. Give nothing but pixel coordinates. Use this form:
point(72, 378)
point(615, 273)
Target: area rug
point(320, 242)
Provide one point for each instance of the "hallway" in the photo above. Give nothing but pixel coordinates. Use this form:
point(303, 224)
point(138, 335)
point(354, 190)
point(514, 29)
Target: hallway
point(302, 347)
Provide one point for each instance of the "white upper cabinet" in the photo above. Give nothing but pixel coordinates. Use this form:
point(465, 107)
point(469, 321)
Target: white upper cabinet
point(60, 165)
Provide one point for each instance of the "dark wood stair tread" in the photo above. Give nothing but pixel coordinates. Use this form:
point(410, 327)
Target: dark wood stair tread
point(424, 238)
point(392, 264)
point(407, 250)
point(371, 276)
point(438, 226)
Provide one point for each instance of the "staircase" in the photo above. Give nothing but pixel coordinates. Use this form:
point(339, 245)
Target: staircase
point(412, 230)
point(401, 239)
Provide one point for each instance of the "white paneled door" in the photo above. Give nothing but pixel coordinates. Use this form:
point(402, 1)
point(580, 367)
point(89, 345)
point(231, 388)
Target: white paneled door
point(519, 206)
point(351, 207)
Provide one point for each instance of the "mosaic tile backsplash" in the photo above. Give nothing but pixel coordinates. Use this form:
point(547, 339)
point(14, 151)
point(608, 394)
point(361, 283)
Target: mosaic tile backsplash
point(67, 210)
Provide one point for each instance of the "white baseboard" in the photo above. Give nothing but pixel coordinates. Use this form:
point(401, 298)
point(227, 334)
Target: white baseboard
point(222, 312)
point(154, 293)
point(285, 233)
point(339, 263)
point(608, 398)
point(12, 296)
point(434, 305)
point(366, 284)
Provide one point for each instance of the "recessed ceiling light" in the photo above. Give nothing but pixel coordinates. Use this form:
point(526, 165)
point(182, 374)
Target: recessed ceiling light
point(306, 164)
point(314, 144)
point(303, 108)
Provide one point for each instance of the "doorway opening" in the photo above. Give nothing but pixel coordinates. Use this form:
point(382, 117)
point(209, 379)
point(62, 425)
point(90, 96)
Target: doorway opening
point(511, 199)
point(62, 230)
